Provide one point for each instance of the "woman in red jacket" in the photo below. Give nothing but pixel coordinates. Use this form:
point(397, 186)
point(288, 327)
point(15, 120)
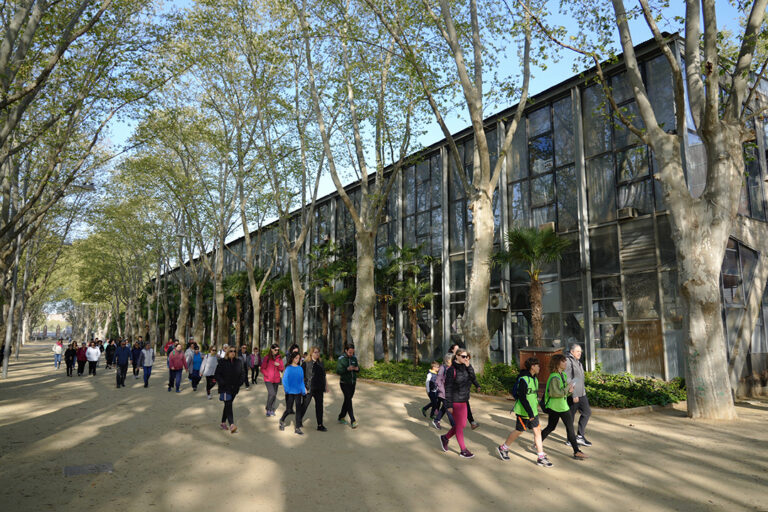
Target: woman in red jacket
point(81, 359)
point(272, 368)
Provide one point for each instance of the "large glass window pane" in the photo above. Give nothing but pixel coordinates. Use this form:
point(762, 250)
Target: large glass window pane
point(573, 328)
point(567, 198)
point(623, 137)
point(732, 276)
point(541, 151)
point(604, 250)
point(455, 186)
point(538, 122)
point(673, 305)
point(493, 149)
point(436, 183)
point(564, 136)
point(422, 196)
point(601, 189)
point(571, 291)
point(457, 222)
point(666, 245)
point(409, 231)
point(519, 209)
point(517, 160)
point(609, 345)
point(457, 274)
point(638, 248)
point(519, 298)
point(642, 296)
point(422, 171)
point(632, 163)
point(754, 185)
point(551, 326)
point(748, 262)
point(422, 224)
point(606, 287)
point(543, 215)
point(621, 88)
point(409, 185)
point(662, 91)
point(550, 299)
point(469, 158)
point(542, 190)
point(597, 129)
point(638, 195)
point(570, 262)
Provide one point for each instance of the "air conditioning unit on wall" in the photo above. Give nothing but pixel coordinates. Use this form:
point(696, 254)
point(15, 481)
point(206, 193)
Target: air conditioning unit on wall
point(497, 301)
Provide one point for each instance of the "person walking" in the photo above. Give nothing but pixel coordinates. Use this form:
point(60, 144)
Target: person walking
point(176, 364)
point(347, 368)
point(135, 355)
point(109, 353)
point(315, 384)
point(440, 381)
point(293, 384)
point(245, 357)
point(81, 359)
point(472, 423)
point(555, 401)
point(146, 360)
point(431, 384)
point(272, 368)
point(197, 363)
point(57, 349)
point(458, 381)
point(229, 376)
point(208, 370)
point(578, 401)
point(70, 355)
point(122, 358)
point(526, 409)
point(92, 354)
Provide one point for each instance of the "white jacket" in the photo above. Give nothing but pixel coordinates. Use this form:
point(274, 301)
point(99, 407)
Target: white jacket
point(56, 348)
point(209, 365)
point(92, 354)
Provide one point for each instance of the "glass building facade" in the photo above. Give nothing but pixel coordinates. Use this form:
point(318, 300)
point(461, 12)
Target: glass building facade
point(615, 290)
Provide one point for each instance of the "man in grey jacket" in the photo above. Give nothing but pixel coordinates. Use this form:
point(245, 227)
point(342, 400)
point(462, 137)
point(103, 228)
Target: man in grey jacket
point(575, 372)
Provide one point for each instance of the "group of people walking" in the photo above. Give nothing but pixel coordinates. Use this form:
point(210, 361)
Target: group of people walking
point(303, 378)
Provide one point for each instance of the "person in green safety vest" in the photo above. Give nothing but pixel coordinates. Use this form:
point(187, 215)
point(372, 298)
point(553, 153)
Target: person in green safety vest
point(526, 409)
point(555, 400)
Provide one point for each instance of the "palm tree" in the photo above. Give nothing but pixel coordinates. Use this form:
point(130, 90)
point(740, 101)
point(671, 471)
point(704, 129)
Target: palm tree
point(532, 248)
point(236, 288)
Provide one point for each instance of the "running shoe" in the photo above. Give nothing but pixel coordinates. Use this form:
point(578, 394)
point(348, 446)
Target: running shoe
point(466, 454)
point(298, 431)
point(322, 428)
point(580, 456)
point(582, 441)
point(282, 426)
point(210, 397)
point(436, 424)
point(544, 462)
point(568, 443)
point(224, 426)
point(424, 412)
point(504, 454)
point(444, 443)
point(474, 425)
point(232, 429)
point(342, 421)
point(268, 414)
point(354, 424)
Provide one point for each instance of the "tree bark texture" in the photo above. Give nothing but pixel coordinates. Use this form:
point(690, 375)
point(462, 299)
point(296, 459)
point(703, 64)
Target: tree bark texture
point(298, 300)
point(198, 322)
point(181, 319)
point(363, 321)
point(537, 318)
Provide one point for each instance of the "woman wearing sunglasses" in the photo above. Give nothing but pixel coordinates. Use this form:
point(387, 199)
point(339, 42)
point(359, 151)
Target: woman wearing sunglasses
point(458, 381)
point(229, 376)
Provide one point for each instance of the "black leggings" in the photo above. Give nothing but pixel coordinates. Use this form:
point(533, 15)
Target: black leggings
point(80, 367)
point(69, 368)
point(318, 396)
point(254, 374)
point(554, 417)
point(209, 384)
point(226, 414)
point(349, 391)
point(290, 401)
point(92, 368)
point(470, 418)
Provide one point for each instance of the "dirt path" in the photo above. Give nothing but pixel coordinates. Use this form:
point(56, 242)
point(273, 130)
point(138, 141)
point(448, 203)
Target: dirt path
point(169, 454)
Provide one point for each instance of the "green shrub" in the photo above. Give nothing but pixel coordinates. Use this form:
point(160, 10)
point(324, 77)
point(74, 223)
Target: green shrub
point(497, 379)
point(625, 390)
point(402, 372)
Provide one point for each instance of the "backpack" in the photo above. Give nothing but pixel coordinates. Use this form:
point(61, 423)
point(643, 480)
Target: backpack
point(516, 388)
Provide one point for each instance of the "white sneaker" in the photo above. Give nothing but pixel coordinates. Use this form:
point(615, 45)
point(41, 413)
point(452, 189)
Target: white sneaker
point(210, 397)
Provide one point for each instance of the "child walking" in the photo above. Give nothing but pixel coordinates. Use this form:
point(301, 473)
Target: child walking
point(431, 384)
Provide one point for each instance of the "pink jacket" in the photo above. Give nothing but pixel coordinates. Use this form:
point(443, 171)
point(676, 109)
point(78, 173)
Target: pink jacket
point(271, 372)
point(177, 361)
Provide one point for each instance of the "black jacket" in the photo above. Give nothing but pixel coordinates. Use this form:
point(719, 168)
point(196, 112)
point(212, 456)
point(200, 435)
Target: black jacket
point(69, 355)
point(110, 350)
point(314, 376)
point(229, 375)
point(458, 379)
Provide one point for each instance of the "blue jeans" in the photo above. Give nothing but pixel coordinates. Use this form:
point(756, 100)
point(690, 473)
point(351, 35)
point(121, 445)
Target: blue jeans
point(147, 373)
point(56, 360)
point(174, 378)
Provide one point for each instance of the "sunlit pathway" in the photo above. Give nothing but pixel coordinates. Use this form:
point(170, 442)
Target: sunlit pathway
point(168, 454)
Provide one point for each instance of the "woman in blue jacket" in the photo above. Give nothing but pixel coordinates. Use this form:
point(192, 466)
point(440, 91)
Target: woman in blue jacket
point(293, 384)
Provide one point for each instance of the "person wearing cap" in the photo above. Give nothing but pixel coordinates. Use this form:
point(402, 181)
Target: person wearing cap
point(347, 368)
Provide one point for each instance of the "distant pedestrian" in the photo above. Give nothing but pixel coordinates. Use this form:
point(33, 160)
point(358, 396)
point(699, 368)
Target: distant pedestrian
point(208, 370)
point(176, 364)
point(315, 384)
point(229, 376)
point(458, 381)
point(58, 350)
point(70, 355)
point(81, 359)
point(196, 364)
point(255, 364)
point(245, 357)
point(146, 360)
point(92, 354)
point(293, 384)
point(122, 358)
point(109, 353)
point(526, 411)
point(431, 384)
point(272, 369)
point(135, 355)
point(579, 401)
point(440, 381)
point(347, 368)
